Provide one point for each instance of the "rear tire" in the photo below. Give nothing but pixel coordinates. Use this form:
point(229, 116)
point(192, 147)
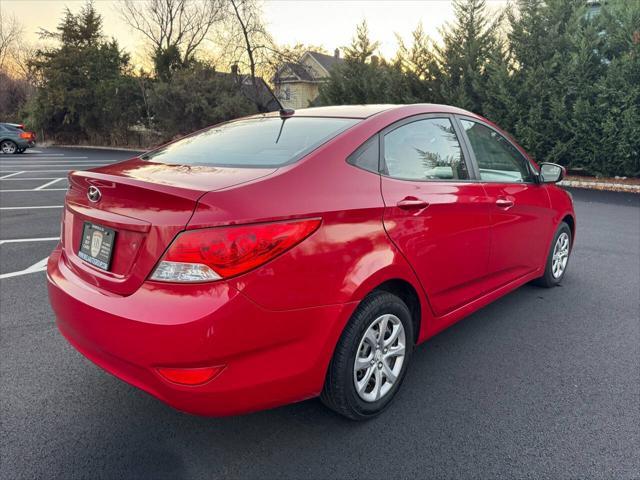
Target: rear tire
point(382, 360)
point(558, 259)
point(8, 146)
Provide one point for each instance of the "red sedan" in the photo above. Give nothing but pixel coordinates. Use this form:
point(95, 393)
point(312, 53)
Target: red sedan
point(284, 256)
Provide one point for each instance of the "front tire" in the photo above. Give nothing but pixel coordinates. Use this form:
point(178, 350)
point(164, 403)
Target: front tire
point(8, 146)
point(371, 358)
point(558, 258)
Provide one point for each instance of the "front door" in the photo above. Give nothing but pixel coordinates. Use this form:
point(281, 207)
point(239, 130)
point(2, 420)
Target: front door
point(434, 214)
point(520, 208)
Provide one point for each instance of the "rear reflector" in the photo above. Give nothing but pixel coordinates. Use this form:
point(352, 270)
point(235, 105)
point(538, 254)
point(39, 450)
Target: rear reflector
point(215, 253)
point(189, 376)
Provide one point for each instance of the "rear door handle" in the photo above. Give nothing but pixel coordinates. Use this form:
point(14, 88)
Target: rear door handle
point(412, 203)
point(504, 203)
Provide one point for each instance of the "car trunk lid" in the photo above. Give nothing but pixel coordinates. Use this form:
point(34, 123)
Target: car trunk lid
point(146, 204)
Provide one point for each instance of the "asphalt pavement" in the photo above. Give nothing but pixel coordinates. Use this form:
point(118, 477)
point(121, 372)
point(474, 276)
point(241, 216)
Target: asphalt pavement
point(540, 384)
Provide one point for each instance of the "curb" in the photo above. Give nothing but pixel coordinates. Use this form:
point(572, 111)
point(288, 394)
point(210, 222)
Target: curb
point(95, 147)
point(608, 186)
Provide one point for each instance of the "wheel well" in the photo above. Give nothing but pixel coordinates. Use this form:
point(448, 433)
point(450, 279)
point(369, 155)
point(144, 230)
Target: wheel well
point(408, 294)
point(568, 219)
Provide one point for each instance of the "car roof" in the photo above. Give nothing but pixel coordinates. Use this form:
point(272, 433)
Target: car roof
point(366, 111)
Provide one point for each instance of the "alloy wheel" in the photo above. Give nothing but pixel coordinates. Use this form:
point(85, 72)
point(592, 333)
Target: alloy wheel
point(560, 255)
point(379, 358)
point(7, 147)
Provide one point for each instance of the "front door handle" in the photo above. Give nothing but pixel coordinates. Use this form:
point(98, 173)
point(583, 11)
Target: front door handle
point(504, 203)
point(412, 203)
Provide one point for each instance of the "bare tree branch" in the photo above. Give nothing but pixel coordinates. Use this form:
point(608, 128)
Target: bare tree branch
point(10, 32)
point(183, 24)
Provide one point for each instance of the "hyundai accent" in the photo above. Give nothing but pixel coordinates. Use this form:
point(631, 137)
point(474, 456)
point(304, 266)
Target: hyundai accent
point(291, 255)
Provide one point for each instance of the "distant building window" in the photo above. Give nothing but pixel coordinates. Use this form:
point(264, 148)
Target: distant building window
point(286, 93)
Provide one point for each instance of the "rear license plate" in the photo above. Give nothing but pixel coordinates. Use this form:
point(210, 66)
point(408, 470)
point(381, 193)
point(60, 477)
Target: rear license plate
point(97, 245)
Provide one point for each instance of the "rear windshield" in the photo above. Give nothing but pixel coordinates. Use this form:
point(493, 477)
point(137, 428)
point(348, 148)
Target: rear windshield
point(255, 142)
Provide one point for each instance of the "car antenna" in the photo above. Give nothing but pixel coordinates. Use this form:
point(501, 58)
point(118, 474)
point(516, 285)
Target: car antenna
point(285, 113)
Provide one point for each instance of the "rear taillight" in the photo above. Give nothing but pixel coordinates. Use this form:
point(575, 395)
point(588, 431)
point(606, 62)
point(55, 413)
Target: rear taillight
point(215, 253)
point(25, 135)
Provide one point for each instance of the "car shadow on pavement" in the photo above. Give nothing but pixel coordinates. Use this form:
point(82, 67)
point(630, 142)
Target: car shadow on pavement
point(144, 437)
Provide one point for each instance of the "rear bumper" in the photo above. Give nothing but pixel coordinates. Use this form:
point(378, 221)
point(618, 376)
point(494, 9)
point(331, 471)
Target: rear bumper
point(271, 357)
point(22, 143)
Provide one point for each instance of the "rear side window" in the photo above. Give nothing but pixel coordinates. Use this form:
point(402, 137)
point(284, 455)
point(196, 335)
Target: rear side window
point(498, 160)
point(255, 142)
point(425, 150)
point(367, 155)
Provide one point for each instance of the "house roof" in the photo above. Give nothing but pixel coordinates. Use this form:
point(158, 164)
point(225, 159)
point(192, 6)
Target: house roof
point(298, 70)
point(304, 73)
point(327, 61)
point(264, 95)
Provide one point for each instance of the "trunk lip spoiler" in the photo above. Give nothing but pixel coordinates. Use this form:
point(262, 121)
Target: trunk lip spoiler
point(109, 219)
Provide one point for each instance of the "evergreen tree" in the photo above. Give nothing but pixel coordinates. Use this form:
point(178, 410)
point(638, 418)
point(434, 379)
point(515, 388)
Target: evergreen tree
point(178, 111)
point(83, 91)
point(362, 48)
point(543, 85)
point(617, 107)
point(419, 64)
point(364, 77)
point(467, 46)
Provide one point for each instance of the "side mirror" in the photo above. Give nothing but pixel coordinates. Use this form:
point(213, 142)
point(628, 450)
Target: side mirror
point(551, 172)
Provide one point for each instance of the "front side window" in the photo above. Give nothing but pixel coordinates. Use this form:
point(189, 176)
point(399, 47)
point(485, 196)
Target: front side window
point(424, 150)
point(498, 160)
point(255, 142)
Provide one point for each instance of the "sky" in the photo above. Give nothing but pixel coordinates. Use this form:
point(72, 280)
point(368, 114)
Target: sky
point(329, 23)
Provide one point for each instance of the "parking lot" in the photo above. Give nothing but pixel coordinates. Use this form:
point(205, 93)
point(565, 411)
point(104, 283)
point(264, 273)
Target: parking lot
point(542, 383)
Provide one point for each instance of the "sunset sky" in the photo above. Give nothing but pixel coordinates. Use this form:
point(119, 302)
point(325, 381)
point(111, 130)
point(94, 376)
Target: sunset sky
point(314, 22)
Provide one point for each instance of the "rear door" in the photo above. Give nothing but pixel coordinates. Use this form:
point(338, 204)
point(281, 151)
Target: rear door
point(434, 212)
point(521, 213)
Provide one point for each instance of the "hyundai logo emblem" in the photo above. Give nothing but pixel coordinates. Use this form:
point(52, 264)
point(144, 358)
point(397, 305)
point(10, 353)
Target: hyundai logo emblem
point(94, 194)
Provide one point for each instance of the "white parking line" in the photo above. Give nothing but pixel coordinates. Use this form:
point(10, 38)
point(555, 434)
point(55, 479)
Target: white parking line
point(70, 164)
point(61, 169)
point(39, 152)
point(31, 208)
point(31, 178)
point(33, 190)
point(62, 160)
point(22, 240)
point(42, 187)
point(36, 267)
point(41, 171)
point(10, 175)
point(46, 164)
point(43, 158)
